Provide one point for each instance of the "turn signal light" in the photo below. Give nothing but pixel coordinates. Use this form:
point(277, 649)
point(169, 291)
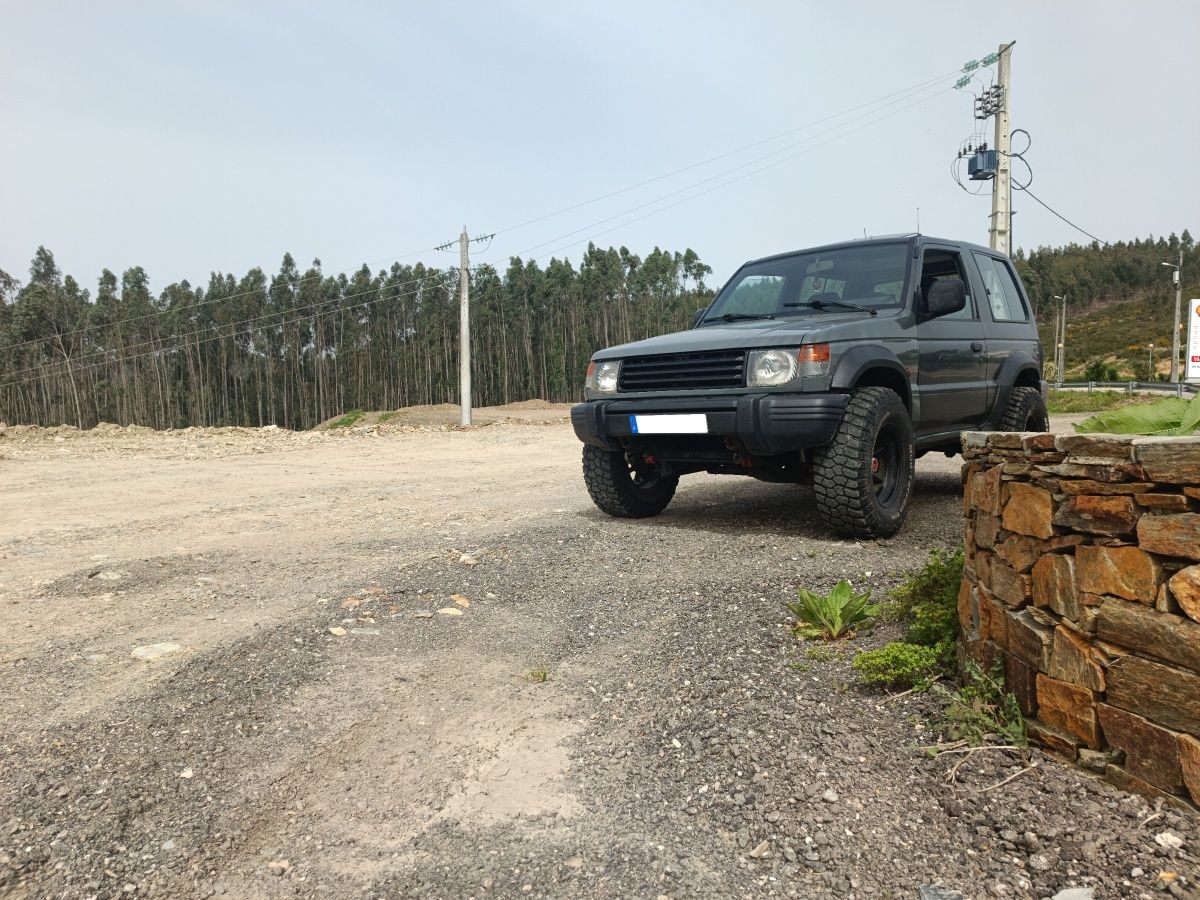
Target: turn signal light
point(814, 359)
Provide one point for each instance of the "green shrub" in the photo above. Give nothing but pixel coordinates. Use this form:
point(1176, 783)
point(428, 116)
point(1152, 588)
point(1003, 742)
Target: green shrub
point(900, 664)
point(837, 614)
point(1099, 370)
point(928, 602)
point(928, 599)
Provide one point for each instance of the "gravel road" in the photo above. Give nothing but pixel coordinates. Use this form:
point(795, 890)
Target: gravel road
point(420, 662)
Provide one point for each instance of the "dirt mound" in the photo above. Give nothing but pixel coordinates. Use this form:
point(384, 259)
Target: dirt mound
point(445, 416)
point(523, 405)
point(196, 442)
point(109, 439)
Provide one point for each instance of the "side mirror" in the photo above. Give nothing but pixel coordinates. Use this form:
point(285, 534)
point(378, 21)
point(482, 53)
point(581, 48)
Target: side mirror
point(946, 296)
point(698, 315)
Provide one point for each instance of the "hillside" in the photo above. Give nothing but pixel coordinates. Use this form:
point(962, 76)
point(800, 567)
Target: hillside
point(1120, 299)
point(1117, 333)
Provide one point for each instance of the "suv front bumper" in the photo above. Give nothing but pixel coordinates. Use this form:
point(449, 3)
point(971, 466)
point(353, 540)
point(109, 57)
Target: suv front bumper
point(766, 424)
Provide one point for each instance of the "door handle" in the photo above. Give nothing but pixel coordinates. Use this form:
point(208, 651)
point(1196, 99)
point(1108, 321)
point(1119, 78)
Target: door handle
point(977, 346)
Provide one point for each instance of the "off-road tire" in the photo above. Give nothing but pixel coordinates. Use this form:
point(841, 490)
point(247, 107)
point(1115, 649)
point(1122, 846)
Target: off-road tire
point(618, 490)
point(1025, 411)
point(851, 500)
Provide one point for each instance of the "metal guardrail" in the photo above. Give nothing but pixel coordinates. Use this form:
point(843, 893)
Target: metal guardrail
point(1130, 387)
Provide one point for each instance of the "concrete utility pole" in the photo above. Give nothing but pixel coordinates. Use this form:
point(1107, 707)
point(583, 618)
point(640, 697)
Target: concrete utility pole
point(1000, 232)
point(1176, 324)
point(1060, 340)
point(464, 327)
point(464, 318)
point(1057, 344)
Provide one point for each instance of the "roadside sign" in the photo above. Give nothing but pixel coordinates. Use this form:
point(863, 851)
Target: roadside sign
point(1192, 369)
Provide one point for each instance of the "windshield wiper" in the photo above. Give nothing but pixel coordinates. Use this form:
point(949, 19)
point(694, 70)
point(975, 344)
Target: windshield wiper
point(738, 317)
point(825, 304)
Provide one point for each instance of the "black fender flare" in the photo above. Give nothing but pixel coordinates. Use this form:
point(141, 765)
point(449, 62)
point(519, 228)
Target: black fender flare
point(858, 359)
point(1016, 363)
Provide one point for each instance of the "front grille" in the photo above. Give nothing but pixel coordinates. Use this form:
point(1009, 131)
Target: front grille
point(682, 371)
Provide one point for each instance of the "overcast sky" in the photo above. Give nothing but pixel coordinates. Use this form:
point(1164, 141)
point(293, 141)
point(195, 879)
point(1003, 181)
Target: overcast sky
point(195, 136)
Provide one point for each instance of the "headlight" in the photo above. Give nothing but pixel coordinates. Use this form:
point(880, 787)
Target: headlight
point(770, 368)
point(602, 376)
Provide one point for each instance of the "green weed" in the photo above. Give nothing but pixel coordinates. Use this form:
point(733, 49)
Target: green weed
point(348, 419)
point(822, 653)
point(840, 613)
point(1062, 402)
point(981, 708)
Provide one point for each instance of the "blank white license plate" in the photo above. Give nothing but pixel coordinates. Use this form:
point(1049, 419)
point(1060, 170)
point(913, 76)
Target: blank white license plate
point(688, 423)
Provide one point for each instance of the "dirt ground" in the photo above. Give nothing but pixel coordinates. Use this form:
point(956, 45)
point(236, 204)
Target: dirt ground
point(407, 659)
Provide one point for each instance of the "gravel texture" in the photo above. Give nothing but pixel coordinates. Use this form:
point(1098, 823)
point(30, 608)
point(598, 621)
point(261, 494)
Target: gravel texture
point(617, 709)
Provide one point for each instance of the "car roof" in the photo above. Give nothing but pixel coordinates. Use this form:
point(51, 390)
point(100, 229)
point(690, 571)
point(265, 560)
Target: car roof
point(877, 239)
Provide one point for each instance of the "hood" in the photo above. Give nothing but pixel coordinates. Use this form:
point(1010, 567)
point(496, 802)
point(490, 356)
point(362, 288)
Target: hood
point(740, 335)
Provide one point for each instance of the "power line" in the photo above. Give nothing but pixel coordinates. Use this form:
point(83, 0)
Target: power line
point(917, 87)
point(162, 312)
point(646, 215)
point(176, 339)
point(1055, 212)
point(714, 187)
point(902, 94)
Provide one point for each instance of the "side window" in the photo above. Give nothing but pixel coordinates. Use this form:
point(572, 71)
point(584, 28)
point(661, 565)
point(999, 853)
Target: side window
point(756, 294)
point(1004, 297)
point(938, 265)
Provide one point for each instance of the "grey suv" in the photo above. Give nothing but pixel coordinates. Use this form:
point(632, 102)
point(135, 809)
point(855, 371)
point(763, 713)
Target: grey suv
point(837, 365)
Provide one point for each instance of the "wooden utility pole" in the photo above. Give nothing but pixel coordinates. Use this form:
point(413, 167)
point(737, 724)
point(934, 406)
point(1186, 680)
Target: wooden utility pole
point(1000, 232)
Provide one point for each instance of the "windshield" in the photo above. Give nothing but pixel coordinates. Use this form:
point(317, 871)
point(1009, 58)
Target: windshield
point(870, 276)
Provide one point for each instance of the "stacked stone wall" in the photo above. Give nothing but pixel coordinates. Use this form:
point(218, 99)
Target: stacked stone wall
point(1082, 581)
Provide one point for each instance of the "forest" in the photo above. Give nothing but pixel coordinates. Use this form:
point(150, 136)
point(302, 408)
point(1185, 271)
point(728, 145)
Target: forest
point(298, 347)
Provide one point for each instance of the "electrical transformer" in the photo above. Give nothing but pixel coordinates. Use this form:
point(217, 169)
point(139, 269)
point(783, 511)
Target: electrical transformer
point(982, 165)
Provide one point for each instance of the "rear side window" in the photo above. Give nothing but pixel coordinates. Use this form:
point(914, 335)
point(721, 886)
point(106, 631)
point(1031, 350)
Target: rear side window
point(1003, 295)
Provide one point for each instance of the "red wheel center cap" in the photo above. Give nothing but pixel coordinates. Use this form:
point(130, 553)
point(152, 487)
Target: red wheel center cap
point(874, 463)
